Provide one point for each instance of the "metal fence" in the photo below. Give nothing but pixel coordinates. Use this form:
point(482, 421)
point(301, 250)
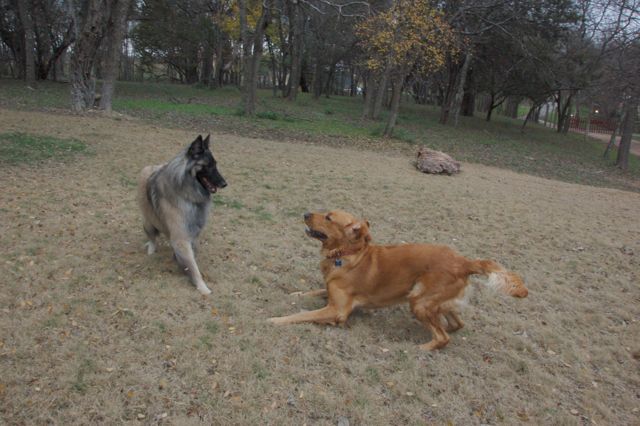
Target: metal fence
point(597, 125)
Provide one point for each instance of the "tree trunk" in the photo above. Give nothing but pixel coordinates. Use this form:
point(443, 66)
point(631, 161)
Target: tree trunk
point(274, 81)
point(612, 139)
point(369, 95)
point(116, 29)
point(297, 45)
point(587, 127)
point(219, 71)
point(530, 114)
point(252, 66)
point(24, 12)
point(304, 84)
point(468, 104)
point(628, 124)
point(330, 80)
point(511, 108)
point(491, 106)
point(563, 113)
point(457, 100)
point(447, 93)
point(317, 79)
point(282, 78)
point(244, 38)
point(207, 63)
point(395, 106)
point(89, 27)
point(381, 92)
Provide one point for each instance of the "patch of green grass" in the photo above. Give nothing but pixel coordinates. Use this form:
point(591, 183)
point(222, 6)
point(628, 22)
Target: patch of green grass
point(16, 148)
point(373, 375)
point(260, 371)
point(206, 341)
point(268, 115)
point(79, 384)
point(162, 327)
point(212, 327)
point(158, 105)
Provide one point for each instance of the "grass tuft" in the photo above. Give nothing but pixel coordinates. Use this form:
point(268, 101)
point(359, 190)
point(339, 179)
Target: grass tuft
point(18, 148)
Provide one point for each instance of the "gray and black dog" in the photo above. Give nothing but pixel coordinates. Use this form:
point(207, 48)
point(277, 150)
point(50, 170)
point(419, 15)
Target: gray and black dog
point(175, 199)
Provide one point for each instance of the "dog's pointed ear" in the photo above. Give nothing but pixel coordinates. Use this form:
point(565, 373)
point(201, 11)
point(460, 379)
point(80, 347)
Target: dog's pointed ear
point(197, 147)
point(206, 142)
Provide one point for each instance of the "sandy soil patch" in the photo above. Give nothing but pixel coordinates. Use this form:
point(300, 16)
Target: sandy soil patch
point(94, 331)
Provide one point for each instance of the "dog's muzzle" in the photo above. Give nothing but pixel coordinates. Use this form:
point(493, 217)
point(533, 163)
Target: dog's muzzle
point(315, 234)
point(208, 185)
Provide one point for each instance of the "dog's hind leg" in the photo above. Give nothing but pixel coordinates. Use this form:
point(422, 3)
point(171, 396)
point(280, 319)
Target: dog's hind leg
point(454, 322)
point(184, 255)
point(152, 234)
point(428, 311)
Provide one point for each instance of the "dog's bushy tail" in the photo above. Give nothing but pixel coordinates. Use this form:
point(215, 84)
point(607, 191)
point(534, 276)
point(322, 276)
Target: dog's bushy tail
point(500, 279)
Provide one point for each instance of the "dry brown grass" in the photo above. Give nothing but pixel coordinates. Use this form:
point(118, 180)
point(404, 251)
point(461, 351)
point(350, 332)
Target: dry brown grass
point(94, 331)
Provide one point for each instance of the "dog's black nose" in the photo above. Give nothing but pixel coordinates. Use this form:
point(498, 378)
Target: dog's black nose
point(223, 184)
point(307, 215)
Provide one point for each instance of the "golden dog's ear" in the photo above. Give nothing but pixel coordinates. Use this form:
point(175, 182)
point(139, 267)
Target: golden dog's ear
point(361, 229)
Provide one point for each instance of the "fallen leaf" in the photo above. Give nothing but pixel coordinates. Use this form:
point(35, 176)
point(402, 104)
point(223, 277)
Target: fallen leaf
point(522, 415)
point(130, 394)
point(574, 411)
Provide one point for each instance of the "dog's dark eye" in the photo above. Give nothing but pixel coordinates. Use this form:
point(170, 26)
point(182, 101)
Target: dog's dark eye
point(328, 218)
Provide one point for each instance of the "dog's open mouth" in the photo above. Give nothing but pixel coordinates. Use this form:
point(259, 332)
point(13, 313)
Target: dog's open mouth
point(208, 185)
point(315, 234)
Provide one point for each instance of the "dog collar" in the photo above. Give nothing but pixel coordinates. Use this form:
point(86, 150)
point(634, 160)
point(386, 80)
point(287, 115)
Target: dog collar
point(337, 254)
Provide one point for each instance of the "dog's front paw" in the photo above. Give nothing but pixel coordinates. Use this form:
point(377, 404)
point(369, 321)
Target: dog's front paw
point(276, 320)
point(151, 247)
point(204, 290)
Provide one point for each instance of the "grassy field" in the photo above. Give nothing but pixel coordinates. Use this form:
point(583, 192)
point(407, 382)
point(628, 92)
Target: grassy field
point(336, 121)
point(94, 331)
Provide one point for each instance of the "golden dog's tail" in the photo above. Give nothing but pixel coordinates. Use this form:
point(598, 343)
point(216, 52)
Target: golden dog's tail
point(500, 279)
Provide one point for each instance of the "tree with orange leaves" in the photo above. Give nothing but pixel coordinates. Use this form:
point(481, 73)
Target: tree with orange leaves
point(410, 37)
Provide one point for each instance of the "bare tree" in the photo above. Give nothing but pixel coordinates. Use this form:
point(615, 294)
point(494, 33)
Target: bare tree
point(90, 22)
point(24, 12)
point(116, 28)
point(253, 47)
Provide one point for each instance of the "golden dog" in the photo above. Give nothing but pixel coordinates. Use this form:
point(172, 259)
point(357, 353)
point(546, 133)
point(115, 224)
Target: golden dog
point(358, 273)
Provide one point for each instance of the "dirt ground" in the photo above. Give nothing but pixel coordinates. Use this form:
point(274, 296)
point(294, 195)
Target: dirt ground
point(94, 331)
